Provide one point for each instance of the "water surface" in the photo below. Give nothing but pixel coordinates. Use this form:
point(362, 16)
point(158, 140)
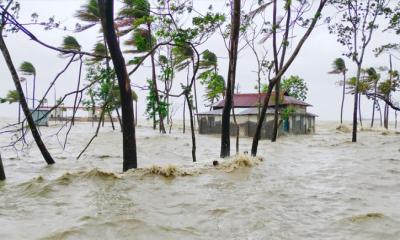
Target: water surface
point(308, 187)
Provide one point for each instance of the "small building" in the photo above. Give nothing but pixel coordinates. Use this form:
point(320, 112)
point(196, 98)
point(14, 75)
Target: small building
point(293, 116)
point(40, 116)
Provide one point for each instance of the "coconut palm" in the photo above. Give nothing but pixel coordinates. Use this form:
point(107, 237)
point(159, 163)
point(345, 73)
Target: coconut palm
point(88, 13)
point(70, 43)
point(137, 21)
point(12, 97)
point(28, 69)
point(339, 67)
point(373, 78)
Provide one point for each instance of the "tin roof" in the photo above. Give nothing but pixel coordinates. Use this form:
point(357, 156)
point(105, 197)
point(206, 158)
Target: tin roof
point(247, 112)
point(249, 100)
point(238, 112)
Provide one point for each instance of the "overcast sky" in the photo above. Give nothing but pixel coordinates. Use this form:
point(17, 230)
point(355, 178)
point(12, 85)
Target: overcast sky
point(313, 63)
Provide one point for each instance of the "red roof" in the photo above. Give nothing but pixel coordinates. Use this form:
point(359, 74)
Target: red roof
point(248, 100)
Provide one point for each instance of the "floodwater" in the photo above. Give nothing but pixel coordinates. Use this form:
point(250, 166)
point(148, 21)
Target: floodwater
point(307, 187)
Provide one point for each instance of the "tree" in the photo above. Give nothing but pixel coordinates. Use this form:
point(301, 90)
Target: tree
point(213, 82)
point(12, 97)
point(106, 8)
point(284, 65)
point(16, 79)
point(137, 12)
point(373, 78)
point(386, 88)
point(215, 86)
point(339, 67)
point(88, 13)
point(233, 50)
point(252, 34)
point(354, 31)
point(27, 68)
point(295, 87)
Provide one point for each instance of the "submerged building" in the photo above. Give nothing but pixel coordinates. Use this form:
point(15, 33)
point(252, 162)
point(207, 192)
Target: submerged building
point(293, 116)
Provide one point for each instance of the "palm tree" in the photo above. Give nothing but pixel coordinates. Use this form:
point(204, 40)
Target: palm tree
point(70, 43)
point(12, 97)
point(27, 68)
point(373, 78)
point(339, 67)
point(89, 13)
point(136, 16)
point(363, 88)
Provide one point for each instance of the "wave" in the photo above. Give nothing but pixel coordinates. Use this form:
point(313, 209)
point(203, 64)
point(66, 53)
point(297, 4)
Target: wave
point(240, 161)
point(168, 171)
point(94, 173)
point(343, 128)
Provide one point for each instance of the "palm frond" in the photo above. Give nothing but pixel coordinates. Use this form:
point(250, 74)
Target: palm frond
point(89, 12)
point(12, 97)
point(70, 43)
point(27, 68)
point(135, 9)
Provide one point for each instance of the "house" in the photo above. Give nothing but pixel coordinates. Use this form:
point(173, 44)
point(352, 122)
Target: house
point(293, 116)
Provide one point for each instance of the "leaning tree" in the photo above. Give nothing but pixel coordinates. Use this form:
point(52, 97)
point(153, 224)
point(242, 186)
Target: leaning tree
point(284, 63)
point(354, 28)
point(339, 67)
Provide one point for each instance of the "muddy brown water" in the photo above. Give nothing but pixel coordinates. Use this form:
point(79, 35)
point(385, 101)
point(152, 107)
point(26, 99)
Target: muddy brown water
point(308, 187)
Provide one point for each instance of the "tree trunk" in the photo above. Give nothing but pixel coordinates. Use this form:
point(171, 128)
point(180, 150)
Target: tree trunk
point(106, 8)
point(111, 120)
point(136, 114)
point(380, 115)
point(189, 104)
point(26, 91)
point(386, 116)
point(257, 134)
point(343, 97)
point(75, 108)
point(355, 110)
point(34, 90)
point(374, 106)
point(237, 127)
point(19, 113)
point(184, 114)
point(45, 153)
point(359, 109)
point(154, 117)
point(155, 87)
point(278, 67)
point(226, 114)
point(195, 96)
point(119, 117)
point(276, 114)
point(184, 101)
point(2, 173)
point(395, 119)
